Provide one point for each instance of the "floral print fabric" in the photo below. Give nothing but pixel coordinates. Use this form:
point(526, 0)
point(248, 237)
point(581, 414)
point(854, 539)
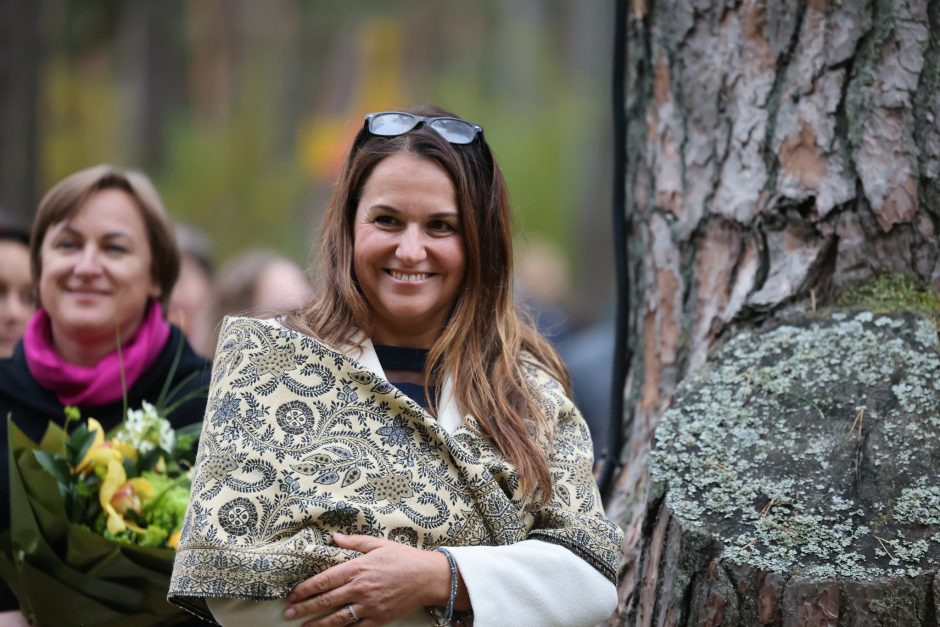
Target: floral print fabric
point(300, 440)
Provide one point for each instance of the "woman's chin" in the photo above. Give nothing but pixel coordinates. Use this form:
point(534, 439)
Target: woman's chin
point(88, 328)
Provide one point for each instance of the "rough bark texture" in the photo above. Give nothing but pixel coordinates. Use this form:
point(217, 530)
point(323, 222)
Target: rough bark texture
point(777, 153)
point(796, 480)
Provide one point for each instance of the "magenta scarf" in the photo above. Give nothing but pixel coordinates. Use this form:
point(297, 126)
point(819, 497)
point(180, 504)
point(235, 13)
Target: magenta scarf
point(99, 384)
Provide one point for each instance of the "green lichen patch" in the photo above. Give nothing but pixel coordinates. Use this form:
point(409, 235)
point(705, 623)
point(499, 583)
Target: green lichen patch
point(813, 447)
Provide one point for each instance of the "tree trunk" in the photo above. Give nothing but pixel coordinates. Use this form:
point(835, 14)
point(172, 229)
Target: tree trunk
point(19, 105)
point(796, 480)
point(777, 153)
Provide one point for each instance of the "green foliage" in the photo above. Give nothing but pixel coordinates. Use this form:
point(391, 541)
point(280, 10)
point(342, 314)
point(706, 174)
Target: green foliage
point(893, 292)
point(77, 445)
point(230, 179)
point(78, 128)
point(225, 135)
point(167, 510)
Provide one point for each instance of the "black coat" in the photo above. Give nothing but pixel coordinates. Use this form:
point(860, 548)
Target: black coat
point(33, 407)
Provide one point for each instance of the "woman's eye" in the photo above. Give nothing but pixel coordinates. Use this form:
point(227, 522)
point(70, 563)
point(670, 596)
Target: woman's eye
point(115, 248)
point(66, 244)
point(441, 226)
point(385, 220)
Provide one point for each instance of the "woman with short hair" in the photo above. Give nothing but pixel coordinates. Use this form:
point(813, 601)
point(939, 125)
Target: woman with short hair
point(104, 260)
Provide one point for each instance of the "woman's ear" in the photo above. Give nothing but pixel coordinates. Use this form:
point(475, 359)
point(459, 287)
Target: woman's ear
point(154, 292)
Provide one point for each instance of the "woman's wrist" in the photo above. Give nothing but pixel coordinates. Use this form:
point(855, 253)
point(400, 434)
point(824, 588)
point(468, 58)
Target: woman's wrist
point(439, 590)
point(448, 587)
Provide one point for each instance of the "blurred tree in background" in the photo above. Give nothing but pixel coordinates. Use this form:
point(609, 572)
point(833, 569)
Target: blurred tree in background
point(242, 110)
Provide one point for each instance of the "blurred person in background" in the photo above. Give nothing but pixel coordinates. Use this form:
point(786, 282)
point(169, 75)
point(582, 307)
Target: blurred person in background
point(403, 450)
point(260, 283)
point(589, 355)
point(104, 260)
point(542, 286)
point(191, 300)
point(16, 288)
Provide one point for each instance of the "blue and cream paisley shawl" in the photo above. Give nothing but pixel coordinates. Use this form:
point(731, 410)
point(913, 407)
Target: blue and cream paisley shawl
point(300, 440)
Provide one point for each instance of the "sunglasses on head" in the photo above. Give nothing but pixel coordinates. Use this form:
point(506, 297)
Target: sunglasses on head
point(393, 123)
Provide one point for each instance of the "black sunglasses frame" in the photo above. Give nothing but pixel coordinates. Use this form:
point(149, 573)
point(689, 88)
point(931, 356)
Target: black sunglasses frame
point(473, 129)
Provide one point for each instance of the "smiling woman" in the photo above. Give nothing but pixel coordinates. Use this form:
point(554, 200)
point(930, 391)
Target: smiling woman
point(103, 258)
point(403, 450)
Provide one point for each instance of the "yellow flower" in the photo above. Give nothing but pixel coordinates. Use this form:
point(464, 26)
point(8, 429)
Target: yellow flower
point(102, 451)
point(126, 450)
point(118, 496)
point(115, 478)
point(174, 540)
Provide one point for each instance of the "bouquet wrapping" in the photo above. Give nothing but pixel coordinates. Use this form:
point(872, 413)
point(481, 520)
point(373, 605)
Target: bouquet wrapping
point(66, 573)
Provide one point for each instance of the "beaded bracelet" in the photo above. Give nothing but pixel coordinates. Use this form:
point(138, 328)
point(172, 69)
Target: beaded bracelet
point(449, 611)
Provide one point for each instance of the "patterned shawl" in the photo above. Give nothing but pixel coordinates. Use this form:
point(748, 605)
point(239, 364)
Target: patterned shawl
point(300, 440)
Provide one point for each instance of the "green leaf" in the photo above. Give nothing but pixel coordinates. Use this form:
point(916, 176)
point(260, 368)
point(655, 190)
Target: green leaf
point(131, 468)
point(148, 460)
point(55, 466)
point(78, 444)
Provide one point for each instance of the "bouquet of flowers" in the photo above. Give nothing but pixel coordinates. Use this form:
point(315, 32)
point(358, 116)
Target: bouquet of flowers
point(95, 519)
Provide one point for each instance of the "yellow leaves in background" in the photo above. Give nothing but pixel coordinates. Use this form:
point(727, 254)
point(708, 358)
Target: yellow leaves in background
point(325, 138)
point(81, 122)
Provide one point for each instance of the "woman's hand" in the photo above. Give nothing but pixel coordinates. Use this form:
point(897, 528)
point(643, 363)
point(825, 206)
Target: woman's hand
point(389, 581)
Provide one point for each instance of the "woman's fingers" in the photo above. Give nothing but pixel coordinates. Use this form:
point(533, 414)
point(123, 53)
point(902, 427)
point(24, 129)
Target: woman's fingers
point(329, 579)
point(337, 575)
point(314, 606)
point(363, 544)
point(343, 617)
point(349, 614)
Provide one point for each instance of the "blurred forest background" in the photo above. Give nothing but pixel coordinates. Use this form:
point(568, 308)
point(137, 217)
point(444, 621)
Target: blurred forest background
point(242, 110)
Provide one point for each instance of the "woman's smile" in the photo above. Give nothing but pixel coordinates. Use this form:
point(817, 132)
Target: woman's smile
point(409, 277)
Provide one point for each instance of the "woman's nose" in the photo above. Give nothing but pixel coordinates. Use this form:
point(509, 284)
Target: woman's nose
point(88, 262)
point(411, 248)
point(20, 308)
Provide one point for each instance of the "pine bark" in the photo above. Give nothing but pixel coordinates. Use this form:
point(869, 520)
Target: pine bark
point(778, 152)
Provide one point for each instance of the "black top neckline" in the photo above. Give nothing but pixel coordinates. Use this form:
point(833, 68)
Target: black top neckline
point(405, 359)
point(402, 357)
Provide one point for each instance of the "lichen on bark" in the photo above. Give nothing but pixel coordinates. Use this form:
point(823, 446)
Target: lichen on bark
point(811, 447)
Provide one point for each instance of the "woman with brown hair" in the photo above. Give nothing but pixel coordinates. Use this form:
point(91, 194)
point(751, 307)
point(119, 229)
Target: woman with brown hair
point(403, 450)
point(104, 260)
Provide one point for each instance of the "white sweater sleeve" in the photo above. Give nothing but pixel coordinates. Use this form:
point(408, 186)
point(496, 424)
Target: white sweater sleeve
point(533, 583)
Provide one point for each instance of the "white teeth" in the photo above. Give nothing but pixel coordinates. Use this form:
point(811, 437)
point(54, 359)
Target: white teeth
point(403, 276)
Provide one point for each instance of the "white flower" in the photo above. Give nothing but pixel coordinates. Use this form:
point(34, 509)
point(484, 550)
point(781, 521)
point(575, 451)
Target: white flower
point(145, 428)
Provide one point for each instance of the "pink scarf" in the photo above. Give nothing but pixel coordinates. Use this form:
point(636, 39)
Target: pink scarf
point(99, 384)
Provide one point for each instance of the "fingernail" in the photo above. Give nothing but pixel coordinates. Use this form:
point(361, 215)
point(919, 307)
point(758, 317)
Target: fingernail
point(337, 534)
point(289, 612)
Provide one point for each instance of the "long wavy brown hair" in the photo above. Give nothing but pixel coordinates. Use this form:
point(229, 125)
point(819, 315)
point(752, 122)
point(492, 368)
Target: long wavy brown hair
point(486, 342)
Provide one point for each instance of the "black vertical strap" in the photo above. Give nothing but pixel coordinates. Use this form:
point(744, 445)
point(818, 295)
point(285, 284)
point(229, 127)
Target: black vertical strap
point(609, 462)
